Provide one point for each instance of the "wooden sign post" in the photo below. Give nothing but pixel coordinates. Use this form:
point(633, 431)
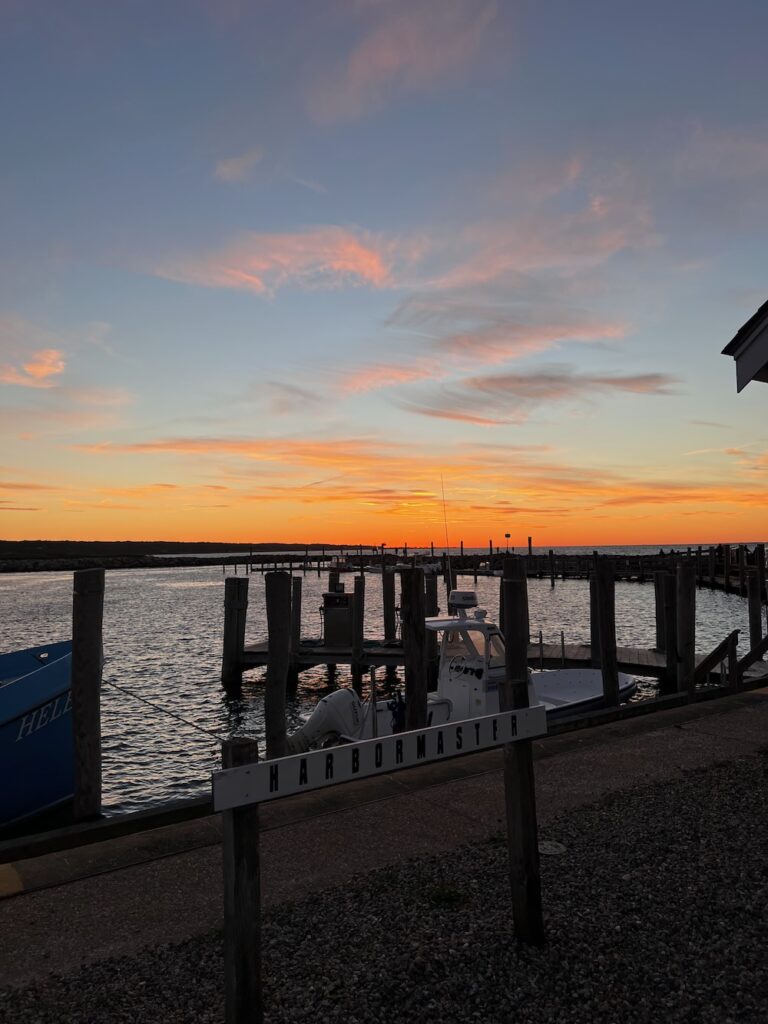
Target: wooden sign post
point(245, 783)
point(242, 898)
point(519, 789)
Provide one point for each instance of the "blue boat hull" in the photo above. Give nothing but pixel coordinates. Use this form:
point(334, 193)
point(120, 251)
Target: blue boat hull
point(36, 743)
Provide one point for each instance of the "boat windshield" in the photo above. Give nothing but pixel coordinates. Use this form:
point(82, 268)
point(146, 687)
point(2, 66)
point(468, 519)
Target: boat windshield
point(460, 643)
point(496, 653)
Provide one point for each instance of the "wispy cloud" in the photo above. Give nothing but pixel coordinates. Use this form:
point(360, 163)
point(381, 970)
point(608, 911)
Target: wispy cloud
point(320, 257)
point(488, 333)
point(289, 398)
point(512, 339)
point(237, 169)
point(731, 153)
point(510, 398)
point(411, 47)
point(386, 375)
point(308, 183)
point(547, 240)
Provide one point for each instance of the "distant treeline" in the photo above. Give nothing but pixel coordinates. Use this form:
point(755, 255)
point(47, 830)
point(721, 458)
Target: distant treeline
point(36, 549)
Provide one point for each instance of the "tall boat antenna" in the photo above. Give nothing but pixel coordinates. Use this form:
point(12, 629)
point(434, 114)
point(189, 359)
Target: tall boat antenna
point(445, 520)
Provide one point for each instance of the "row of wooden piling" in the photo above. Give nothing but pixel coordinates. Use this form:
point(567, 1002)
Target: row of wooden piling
point(724, 566)
point(675, 596)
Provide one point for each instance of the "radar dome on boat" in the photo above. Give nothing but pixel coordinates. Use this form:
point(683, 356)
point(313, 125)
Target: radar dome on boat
point(463, 599)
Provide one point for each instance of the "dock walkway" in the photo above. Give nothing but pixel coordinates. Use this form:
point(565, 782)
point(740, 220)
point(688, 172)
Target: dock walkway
point(378, 654)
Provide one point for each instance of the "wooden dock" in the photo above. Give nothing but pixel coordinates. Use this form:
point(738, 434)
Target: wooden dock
point(722, 567)
point(378, 654)
point(672, 660)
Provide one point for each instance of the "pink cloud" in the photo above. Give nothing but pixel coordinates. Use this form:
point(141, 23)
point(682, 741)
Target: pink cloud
point(321, 257)
point(386, 375)
point(499, 342)
point(415, 46)
point(549, 241)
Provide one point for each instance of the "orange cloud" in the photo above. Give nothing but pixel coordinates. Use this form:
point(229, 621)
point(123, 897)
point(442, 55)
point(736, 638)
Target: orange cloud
point(415, 46)
point(321, 257)
point(37, 372)
point(360, 489)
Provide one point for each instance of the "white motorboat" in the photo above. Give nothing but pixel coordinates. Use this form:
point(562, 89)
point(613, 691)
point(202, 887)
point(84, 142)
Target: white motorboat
point(471, 666)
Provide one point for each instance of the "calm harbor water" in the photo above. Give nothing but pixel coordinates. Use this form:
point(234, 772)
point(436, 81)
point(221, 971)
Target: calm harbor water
point(162, 641)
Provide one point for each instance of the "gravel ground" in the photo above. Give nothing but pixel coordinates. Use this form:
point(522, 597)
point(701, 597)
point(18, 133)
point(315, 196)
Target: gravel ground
point(657, 910)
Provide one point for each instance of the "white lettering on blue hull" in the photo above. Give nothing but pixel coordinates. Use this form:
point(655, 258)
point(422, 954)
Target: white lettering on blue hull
point(44, 715)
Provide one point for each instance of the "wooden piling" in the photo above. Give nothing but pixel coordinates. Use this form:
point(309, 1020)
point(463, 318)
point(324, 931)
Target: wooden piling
point(519, 789)
point(594, 623)
point(530, 548)
point(754, 608)
point(293, 670)
point(87, 658)
point(388, 600)
point(242, 899)
point(551, 568)
point(760, 566)
point(727, 568)
point(358, 634)
point(278, 600)
point(606, 615)
point(658, 595)
point(414, 647)
point(686, 626)
point(668, 682)
point(741, 561)
point(431, 608)
point(235, 614)
point(711, 566)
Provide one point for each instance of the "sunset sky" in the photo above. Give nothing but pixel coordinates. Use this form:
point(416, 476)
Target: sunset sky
point(287, 269)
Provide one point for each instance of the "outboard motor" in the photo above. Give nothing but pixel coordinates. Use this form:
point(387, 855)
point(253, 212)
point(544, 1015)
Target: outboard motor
point(338, 714)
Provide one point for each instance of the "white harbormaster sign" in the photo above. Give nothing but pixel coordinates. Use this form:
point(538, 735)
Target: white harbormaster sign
point(285, 776)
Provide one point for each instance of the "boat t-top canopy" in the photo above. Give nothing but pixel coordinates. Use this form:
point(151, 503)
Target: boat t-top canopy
point(463, 601)
point(437, 624)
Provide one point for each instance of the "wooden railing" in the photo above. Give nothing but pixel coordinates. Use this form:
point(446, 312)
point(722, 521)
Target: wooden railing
point(725, 650)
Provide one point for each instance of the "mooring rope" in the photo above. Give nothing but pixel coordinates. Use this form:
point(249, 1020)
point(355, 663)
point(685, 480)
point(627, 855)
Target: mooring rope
point(165, 711)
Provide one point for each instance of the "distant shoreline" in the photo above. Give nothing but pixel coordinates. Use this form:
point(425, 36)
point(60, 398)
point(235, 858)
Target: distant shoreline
point(66, 556)
point(62, 556)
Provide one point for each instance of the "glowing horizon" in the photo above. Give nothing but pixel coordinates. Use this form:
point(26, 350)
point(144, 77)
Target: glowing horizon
point(298, 298)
